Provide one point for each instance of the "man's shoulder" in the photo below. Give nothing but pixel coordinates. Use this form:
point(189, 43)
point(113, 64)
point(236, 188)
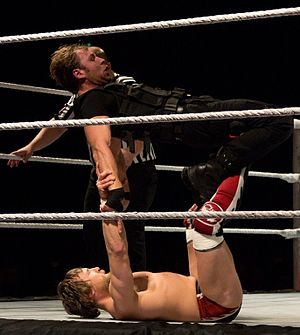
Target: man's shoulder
point(96, 102)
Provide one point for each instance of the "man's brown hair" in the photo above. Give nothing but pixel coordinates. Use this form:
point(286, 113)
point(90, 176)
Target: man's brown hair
point(74, 294)
point(63, 61)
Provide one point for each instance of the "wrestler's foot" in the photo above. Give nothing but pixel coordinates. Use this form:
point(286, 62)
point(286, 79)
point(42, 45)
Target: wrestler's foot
point(209, 226)
point(226, 198)
point(203, 180)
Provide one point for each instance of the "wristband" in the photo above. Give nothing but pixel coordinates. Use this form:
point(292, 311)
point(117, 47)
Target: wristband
point(114, 199)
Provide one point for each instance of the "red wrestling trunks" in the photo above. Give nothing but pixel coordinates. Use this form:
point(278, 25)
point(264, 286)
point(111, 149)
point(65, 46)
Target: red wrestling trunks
point(210, 311)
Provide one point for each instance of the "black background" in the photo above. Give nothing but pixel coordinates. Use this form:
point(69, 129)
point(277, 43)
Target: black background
point(256, 59)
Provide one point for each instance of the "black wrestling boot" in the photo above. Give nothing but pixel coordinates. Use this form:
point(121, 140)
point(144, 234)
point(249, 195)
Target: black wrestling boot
point(203, 179)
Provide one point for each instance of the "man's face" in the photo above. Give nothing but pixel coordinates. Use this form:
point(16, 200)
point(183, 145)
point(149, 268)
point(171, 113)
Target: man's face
point(95, 66)
point(97, 278)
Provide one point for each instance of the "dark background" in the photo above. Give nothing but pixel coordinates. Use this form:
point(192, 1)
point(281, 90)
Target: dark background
point(256, 59)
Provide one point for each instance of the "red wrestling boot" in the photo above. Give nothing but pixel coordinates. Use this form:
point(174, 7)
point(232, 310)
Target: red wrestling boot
point(227, 198)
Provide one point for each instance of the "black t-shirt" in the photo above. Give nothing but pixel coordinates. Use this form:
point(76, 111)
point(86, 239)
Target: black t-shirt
point(98, 102)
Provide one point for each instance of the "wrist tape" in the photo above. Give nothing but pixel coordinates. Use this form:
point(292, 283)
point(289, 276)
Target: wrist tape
point(114, 199)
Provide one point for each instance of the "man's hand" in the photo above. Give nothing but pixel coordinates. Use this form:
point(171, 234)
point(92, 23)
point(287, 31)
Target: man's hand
point(25, 153)
point(106, 179)
point(116, 196)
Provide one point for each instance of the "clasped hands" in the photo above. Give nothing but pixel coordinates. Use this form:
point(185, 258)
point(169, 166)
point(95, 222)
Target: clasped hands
point(110, 200)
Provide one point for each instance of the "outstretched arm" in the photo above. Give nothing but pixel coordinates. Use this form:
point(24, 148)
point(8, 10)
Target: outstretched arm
point(122, 285)
point(45, 137)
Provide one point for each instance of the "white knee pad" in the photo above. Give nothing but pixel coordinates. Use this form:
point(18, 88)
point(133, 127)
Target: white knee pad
point(203, 242)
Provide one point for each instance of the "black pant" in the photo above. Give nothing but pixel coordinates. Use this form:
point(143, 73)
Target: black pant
point(259, 135)
point(142, 179)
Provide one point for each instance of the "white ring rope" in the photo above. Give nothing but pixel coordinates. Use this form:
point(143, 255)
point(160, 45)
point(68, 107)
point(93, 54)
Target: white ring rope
point(287, 233)
point(35, 89)
point(140, 119)
point(288, 177)
point(263, 14)
point(47, 90)
point(219, 115)
point(150, 215)
point(49, 159)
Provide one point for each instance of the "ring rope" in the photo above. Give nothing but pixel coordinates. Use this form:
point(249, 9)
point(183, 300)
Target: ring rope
point(150, 215)
point(288, 177)
point(263, 14)
point(47, 90)
point(48, 159)
point(291, 111)
point(36, 89)
point(287, 233)
point(30, 88)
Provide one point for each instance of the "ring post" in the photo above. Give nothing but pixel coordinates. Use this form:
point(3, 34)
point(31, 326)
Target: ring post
point(296, 203)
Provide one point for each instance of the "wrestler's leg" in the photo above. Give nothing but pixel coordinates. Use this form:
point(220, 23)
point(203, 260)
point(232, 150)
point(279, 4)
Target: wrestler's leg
point(259, 136)
point(217, 276)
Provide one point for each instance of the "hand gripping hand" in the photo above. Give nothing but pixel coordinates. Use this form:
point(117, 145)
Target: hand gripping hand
point(111, 200)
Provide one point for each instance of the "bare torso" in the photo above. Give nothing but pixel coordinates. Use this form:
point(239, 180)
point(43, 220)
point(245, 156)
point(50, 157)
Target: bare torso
point(165, 296)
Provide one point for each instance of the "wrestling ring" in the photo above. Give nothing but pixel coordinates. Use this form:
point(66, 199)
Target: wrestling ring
point(262, 313)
